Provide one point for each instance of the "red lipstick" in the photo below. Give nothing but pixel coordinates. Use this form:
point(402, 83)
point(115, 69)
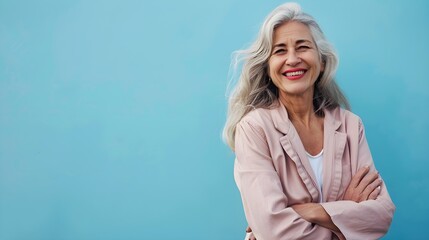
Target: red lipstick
point(294, 73)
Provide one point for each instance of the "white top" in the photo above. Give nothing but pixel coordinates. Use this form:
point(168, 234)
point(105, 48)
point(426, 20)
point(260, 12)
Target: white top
point(316, 164)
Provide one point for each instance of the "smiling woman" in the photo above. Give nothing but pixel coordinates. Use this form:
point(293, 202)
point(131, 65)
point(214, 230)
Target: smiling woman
point(295, 64)
point(303, 165)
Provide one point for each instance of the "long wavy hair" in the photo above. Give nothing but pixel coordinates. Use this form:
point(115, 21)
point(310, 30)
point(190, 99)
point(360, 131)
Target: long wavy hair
point(255, 90)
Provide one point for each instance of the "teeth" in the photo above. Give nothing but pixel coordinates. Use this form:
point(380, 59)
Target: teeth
point(290, 74)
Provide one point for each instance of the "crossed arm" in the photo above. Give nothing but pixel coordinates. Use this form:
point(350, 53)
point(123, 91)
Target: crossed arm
point(365, 185)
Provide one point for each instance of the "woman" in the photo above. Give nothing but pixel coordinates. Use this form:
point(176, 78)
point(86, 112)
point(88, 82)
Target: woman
point(303, 165)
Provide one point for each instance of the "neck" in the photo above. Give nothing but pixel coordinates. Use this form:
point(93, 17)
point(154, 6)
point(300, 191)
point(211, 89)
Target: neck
point(299, 107)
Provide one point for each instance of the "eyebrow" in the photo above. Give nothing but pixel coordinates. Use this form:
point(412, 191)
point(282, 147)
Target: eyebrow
point(297, 42)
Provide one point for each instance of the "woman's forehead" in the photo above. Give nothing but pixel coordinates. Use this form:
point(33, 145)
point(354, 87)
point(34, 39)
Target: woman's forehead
point(292, 32)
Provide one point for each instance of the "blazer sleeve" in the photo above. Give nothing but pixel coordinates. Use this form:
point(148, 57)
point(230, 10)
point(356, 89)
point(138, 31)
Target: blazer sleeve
point(368, 219)
point(265, 204)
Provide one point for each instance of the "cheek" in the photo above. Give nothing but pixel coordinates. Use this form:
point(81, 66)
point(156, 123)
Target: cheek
point(274, 66)
point(320, 63)
point(270, 70)
point(270, 63)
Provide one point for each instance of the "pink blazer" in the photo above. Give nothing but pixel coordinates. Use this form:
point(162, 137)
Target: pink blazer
point(273, 173)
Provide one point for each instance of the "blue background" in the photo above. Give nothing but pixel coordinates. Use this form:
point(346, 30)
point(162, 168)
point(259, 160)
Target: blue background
point(111, 112)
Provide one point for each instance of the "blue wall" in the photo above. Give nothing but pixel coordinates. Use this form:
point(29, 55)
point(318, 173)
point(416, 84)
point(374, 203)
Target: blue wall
point(111, 112)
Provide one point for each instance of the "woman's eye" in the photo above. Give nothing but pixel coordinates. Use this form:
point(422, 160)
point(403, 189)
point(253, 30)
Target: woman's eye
point(279, 51)
point(303, 47)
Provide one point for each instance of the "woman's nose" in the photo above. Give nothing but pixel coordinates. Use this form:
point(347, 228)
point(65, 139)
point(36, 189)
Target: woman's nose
point(292, 59)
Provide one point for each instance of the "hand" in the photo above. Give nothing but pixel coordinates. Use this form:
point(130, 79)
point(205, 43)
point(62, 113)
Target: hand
point(363, 186)
point(249, 235)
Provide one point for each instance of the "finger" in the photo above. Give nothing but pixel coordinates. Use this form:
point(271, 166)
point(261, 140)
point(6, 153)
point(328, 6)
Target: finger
point(375, 193)
point(366, 181)
point(370, 189)
point(358, 176)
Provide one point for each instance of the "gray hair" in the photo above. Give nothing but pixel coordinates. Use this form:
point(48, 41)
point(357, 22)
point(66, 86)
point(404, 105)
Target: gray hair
point(255, 90)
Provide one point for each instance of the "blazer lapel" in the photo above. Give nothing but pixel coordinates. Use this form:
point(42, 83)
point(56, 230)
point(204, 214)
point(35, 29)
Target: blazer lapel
point(334, 145)
point(294, 148)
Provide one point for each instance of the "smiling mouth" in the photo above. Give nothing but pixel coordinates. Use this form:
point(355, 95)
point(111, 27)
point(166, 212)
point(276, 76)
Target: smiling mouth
point(293, 74)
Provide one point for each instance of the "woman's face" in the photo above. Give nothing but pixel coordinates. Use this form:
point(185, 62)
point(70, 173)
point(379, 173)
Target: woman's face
point(294, 64)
